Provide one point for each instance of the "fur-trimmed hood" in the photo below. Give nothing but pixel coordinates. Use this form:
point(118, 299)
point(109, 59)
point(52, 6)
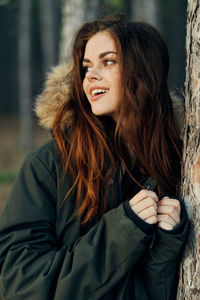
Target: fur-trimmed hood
point(55, 94)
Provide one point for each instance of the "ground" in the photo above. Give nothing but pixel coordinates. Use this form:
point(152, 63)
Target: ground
point(11, 154)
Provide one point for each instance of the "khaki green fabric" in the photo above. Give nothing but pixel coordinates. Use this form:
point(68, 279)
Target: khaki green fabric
point(46, 254)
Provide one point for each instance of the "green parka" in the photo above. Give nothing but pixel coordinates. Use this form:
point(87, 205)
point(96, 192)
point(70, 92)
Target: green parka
point(45, 252)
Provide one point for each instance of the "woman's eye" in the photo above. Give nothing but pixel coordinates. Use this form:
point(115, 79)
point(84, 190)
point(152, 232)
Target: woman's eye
point(109, 62)
point(87, 69)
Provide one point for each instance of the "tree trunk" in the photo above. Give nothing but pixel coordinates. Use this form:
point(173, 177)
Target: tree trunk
point(149, 11)
point(24, 74)
point(74, 14)
point(47, 21)
point(72, 18)
point(189, 287)
point(90, 10)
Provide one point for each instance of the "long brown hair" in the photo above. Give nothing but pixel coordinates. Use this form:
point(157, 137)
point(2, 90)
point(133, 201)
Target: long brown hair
point(145, 123)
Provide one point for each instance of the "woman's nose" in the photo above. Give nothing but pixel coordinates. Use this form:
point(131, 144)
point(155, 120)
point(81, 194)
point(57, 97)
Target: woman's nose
point(94, 74)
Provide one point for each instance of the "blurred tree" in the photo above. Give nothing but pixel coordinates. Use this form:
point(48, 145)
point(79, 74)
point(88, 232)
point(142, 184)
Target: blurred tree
point(72, 18)
point(173, 14)
point(90, 10)
point(24, 73)
point(110, 7)
point(8, 57)
point(74, 14)
point(169, 17)
point(3, 2)
point(190, 271)
point(171, 21)
point(148, 11)
point(47, 25)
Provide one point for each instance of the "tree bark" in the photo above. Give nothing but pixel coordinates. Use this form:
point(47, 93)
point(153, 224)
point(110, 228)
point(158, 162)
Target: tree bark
point(24, 74)
point(189, 286)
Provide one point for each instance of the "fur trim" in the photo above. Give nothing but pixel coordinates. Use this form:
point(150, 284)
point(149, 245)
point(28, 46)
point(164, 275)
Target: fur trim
point(55, 94)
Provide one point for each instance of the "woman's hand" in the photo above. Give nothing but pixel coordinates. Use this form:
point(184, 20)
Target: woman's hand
point(169, 211)
point(144, 204)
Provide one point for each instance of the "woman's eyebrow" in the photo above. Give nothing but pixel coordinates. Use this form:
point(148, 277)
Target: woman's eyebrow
point(106, 53)
point(86, 60)
point(101, 55)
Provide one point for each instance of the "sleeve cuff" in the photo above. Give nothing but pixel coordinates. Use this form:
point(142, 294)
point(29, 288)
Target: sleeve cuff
point(144, 226)
point(179, 227)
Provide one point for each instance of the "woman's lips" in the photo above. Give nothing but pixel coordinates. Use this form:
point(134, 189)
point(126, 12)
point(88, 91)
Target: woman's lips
point(97, 92)
point(96, 97)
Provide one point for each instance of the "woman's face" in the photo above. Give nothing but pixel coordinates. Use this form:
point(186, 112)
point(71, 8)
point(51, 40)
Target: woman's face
point(102, 81)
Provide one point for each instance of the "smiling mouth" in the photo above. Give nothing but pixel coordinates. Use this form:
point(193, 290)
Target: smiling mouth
point(97, 92)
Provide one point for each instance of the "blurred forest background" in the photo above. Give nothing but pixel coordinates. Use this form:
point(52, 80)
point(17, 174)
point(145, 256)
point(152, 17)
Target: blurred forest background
point(35, 35)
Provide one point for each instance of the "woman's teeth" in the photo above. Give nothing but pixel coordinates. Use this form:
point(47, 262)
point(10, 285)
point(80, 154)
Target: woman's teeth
point(98, 91)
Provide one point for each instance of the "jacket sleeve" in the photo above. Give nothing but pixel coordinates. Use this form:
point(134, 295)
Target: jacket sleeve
point(160, 266)
point(33, 266)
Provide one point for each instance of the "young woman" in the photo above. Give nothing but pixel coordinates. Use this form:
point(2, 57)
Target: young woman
point(94, 213)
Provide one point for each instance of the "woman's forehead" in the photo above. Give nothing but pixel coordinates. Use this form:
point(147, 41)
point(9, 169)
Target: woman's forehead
point(99, 43)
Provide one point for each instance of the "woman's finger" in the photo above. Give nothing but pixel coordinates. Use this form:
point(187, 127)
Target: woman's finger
point(142, 195)
point(170, 211)
point(166, 201)
point(151, 220)
point(148, 213)
point(147, 202)
point(165, 226)
point(165, 218)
